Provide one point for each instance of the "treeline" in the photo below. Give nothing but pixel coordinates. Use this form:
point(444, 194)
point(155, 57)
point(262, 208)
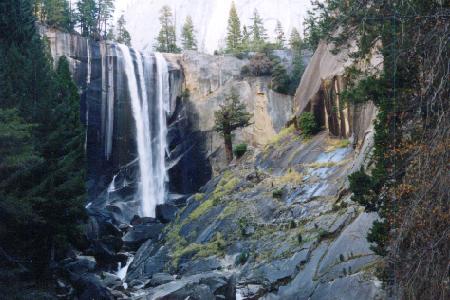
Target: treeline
point(407, 185)
point(92, 18)
point(254, 38)
point(42, 157)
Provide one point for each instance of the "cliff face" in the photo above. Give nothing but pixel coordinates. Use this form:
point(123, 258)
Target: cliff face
point(210, 79)
point(319, 92)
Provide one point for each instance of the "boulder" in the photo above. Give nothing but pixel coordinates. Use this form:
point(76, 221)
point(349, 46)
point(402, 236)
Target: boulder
point(210, 285)
point(89, 286)
point(159, 279)
point(149, 259)
point(141, 233)
point(80, 265)
point(166, 213)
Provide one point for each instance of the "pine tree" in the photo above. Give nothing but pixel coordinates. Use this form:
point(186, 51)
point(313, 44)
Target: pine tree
point(41, 198)
point(280, 39)
point(105, 10)
point(245, 45)
point(280, 78)
point(298, 67)
point(167, 38)
point(54, 13)
point(234, 37)
point(123, 36)
point(231, 116)
point(258, 32)
point(188, 39)
point(87, 15)
point(295, 41)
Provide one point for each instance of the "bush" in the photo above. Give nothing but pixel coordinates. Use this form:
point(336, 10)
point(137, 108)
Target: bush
point(307, 124)
point(278, 193)
point(242, 258)
point(240, 150)
point(259, 65)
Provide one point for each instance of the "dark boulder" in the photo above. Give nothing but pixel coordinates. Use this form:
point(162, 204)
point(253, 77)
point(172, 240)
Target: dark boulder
point(89, 286)
point(166, 213)
point(211, 285)
point(149, 260)
point(137, 235)
point(159, 279)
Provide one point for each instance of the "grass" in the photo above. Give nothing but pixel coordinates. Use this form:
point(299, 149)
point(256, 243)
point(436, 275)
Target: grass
point(285, 132)
point(333, 144)
point(325, 164)
point(291, 176)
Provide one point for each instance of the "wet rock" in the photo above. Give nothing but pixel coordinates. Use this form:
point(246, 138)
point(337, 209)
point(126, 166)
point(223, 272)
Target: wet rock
point(272, 272)
point(211, 285)
point(159, 279)
point(354, 287)
point(142, 220)
point(111, 280)
point(166, 213)
point(351, 243)
point(149, 259)
point(81, 265)
point(200, 265)
point(89, 287)
point(141, 233)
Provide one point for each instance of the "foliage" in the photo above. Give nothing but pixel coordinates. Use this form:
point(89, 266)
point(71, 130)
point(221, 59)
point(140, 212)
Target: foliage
point(188, 39)
point(234, 36)
point(277, 194)
point(258, 33)
point(407, 185)
point(54, 13)
point(240, 150)
point(259, 65)
point(42, 190)
point(167, 37)
point(307, 123)
point(122, 35)
point(280, 39)
point(93, 17)
point(231, 116)
point(280, 78)
point(242, 258)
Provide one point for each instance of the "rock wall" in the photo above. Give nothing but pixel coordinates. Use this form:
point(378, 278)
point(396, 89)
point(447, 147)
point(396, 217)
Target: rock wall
point(319, 92)
point(210, 79)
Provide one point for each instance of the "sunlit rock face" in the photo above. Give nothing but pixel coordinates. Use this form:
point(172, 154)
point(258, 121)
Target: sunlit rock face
point(319, 92)
point(210, 18)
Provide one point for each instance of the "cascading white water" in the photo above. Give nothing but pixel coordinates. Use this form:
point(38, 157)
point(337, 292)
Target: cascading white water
point(151, 142)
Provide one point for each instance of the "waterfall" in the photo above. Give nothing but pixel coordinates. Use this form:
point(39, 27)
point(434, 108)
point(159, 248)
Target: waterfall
point(150, 136)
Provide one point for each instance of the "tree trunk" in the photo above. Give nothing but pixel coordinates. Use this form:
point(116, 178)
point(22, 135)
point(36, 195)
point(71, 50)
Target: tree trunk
point(228, 147)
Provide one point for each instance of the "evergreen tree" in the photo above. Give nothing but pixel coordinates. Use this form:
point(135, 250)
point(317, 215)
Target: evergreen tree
point(105, 10)
point(280, 78)
point(245, 45)
point(295, 41)
point(41, 196)
point(258, 32)
point(231, 116)
point(87, 17)
point(54, 13)
point(280, 39)
point(234, 37)
point(123, 36)
point(167, 38)
point(188, 39)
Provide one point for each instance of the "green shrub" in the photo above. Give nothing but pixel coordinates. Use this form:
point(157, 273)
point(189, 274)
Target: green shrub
point(307, 124)
point(242, 258)
point(277, 194)
point(299, 238)
point(240, 150)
